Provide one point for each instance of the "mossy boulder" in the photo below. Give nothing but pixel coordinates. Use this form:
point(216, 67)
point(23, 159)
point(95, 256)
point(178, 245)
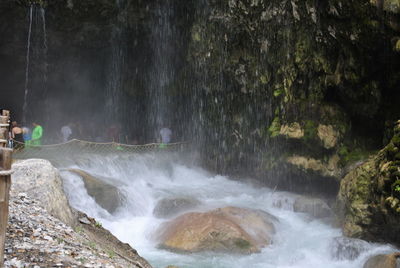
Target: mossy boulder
point(369, 199)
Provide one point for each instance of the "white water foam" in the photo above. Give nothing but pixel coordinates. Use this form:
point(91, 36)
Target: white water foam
point(145, 179)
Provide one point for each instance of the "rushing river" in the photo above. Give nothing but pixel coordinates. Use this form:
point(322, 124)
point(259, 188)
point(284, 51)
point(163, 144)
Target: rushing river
point(300, 241)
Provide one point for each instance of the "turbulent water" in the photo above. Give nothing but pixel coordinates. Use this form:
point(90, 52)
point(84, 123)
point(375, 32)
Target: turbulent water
point(145, 179)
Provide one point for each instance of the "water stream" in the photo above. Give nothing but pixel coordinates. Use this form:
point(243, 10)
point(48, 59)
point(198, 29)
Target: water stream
point(301, 241)
point(28, 49)
point(36, 58)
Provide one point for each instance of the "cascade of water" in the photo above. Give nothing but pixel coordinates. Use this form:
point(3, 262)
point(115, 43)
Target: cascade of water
point(163, 70)
point(144, 180)
point(25, 105)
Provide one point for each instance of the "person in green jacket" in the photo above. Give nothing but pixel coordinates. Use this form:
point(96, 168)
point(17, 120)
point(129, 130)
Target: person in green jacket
point(37, 134)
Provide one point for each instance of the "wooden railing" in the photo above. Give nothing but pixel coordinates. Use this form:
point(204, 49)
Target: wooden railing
point(5, 179)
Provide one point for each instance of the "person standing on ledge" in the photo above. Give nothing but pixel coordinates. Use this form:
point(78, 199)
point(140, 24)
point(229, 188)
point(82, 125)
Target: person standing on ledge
point(66, 132)
point(165, 134)
point(37, 134)
point(16, 132)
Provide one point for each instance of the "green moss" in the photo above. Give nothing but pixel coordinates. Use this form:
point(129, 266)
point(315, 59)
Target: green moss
point(310, 130)
point(264, 79)
point(397, 46)
point(196, 36)
point(242, 244)
point(274, 128)
point(348, 156)
point(278, 92)
point(396, 140)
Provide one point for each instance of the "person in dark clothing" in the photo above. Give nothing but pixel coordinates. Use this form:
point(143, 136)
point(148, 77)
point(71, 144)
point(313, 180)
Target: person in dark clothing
point(17, 135)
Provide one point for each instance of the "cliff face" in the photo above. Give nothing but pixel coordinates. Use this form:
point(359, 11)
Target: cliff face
point(293, 92)
point(369, 197)
point(295, 89)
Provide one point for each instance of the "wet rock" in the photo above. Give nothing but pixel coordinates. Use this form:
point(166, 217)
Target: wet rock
point(328, 135)
point(230, 229)
point(40, 180)
point(368, 203)
point(315, 207)
point(169, 207)
point(293, 131)
point(329, 169)
point(384, 261)
point(344, 248)
point(84, 220)
point(105, 194)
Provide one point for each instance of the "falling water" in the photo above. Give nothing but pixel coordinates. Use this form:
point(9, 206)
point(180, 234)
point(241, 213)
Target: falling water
point(43, 16)
point(162, 73)
point(25, 106)
point(116, 70)
point(36, 57)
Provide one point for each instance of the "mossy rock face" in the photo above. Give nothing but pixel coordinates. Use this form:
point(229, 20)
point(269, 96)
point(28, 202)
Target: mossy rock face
point(369, 197)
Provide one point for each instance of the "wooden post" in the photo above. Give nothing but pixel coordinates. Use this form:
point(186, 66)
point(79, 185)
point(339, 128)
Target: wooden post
point(5, 180)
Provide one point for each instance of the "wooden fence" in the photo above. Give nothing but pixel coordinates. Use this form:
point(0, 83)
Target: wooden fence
point(5, 179)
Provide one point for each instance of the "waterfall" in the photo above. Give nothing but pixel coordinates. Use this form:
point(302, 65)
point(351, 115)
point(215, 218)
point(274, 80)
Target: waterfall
point(163, 70)
point(43, 16)
point(24, 109)
point(36, 58)
point(117, 66)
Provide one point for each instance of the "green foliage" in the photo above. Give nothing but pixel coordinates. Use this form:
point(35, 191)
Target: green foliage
point(111, 254)
point(78, 229)
point(92, 245)
point(397, 188)
point(98, 224)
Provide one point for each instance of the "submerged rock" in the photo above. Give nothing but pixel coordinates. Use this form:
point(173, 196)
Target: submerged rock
point(105, 194)
point(344, 248)
point(383, 261)
point(169, 207)
point(315, 207)
point(229, 229)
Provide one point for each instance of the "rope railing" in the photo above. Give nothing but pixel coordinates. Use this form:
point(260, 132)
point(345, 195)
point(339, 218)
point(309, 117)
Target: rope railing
point(76, 147)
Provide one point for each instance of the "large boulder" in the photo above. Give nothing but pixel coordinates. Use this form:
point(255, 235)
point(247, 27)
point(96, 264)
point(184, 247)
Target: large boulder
point(383, 261)
point(106, 195)
point(229, 229)
point(41, 181)
point(168, 207)
point(369, 196)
